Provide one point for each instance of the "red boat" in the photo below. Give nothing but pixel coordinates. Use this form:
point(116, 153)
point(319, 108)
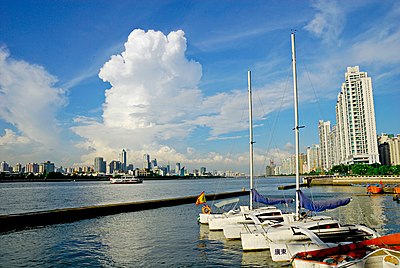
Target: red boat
point(373, 189)
point(351, 253)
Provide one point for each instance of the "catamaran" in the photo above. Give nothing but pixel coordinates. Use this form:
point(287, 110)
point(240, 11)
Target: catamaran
point(381, 252)
point(216, 222)
point(307, 233)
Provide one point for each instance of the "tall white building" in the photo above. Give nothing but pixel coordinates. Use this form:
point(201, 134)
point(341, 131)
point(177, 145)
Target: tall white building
point(391, 151)
point(313, 158)
point(394, 145)
point(355, 118)
point(324, 128)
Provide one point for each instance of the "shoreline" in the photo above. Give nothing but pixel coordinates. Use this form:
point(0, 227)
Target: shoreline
point(67, 178)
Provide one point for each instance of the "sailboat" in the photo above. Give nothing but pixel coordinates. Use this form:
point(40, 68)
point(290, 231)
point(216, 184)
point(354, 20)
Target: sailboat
point(267, 213)
point(307, 233)
point(382, 252)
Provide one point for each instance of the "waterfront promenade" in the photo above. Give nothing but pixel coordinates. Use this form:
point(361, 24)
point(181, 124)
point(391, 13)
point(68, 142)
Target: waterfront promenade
point(351, 180)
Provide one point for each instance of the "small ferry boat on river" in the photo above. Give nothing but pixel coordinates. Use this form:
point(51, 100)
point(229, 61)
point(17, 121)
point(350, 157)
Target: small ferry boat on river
point(125, 179)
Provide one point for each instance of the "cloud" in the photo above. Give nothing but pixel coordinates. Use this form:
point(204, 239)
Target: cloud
point(11, 138)
point(152, 82)
point(328, 22)
point(154, 105)
point(153, 92)
point(29, 101)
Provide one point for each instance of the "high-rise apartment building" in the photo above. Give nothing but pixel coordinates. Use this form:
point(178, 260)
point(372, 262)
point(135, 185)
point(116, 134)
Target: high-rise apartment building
point(389, 149)
point(18, 168)
point(324, 128)
point(394, 147)
point(46, 167)
point(313, 158)
point(32, 168)
point(4, 167)
point(355, 118)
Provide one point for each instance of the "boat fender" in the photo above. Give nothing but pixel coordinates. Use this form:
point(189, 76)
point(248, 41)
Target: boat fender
point(206, 209)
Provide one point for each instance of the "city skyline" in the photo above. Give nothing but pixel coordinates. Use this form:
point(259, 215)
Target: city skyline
point(83, 79)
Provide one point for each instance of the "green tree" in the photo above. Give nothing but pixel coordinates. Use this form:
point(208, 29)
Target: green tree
point(341, 169)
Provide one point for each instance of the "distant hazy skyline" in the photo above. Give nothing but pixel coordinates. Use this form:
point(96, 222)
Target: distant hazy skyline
point(81, 79)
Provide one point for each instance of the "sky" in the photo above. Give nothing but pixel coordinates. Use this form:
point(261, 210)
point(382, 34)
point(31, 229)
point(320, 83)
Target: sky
point(81, 79)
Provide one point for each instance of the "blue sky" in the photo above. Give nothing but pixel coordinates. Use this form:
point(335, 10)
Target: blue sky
point(80, 79)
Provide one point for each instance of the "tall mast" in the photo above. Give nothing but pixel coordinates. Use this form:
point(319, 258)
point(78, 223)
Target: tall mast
point(251, 136)
point(296, 124)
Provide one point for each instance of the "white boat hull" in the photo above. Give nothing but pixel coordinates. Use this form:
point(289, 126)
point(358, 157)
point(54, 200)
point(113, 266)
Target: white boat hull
point(283, 252)
point(255, 240)
point(217, 223)
point(233, 231)
point(204, 218)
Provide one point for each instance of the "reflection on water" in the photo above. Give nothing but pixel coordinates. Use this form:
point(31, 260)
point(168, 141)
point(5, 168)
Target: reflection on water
point(165, 237)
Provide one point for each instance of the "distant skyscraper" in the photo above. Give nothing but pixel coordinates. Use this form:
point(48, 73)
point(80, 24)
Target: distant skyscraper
point(18, 168)
point(46, 167)
point(177, 168)
point(394, 145)
point(154, 163)
point(384, 149)
point(99, 165)
point(4, 166)
point(355, 116)
point(203, 170)
point(389, 149)
point(123, 160)
point(146, 161)
point(313, 158)
point(270, 170)
point(32, 168)
point(115, 166)
point(324, 128)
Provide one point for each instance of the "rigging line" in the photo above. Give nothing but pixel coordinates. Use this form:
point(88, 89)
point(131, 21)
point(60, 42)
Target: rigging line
point(233, 145)
point(315, 94)
point(274, 126)
point(234, 141)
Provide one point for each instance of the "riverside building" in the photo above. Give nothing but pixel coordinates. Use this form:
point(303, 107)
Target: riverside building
point(355, 118)
point(100, 165)
point(324, 128)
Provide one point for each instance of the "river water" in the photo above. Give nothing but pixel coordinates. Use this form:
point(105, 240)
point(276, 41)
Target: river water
point(164, 237)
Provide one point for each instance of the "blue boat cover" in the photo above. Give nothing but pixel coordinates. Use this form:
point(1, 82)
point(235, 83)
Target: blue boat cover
point(269, 201)
point(318, 206)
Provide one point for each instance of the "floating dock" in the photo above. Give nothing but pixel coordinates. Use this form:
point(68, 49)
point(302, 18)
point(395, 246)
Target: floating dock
point(42, 218)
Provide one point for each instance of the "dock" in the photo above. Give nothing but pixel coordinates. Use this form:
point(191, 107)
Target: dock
point(22, 221)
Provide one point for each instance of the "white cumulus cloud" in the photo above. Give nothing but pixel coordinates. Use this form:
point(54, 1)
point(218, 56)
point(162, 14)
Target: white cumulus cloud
point(29, 101)
point(153, 93)
point(154, 105)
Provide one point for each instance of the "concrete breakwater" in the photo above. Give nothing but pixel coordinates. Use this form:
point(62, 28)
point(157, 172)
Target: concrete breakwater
point(41, 218)
point(351, 180)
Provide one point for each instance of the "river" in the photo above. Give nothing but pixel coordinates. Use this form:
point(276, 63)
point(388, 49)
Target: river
point(164, 237)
